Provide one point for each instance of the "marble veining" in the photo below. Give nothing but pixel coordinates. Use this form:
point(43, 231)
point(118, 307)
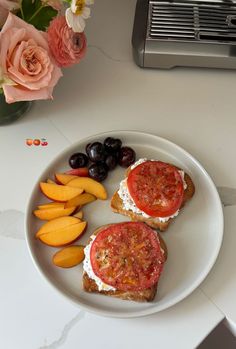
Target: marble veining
point(59, 131)
point(65, 332)
point(108, 56)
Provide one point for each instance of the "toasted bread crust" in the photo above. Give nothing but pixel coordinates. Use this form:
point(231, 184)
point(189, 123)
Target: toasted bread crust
point(138, 296)
point(146, 295)
point(117, 206)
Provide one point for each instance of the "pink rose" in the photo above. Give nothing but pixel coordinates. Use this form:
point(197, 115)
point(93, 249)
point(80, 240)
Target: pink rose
point(25, 59)
point(5, 7)
point(66, 46)
point(10, 4)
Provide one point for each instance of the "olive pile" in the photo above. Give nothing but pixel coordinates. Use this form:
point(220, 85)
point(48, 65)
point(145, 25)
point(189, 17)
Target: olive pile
point(103, 157)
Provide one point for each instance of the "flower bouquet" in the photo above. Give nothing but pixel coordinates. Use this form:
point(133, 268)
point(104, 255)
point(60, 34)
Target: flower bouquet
point(37, 39)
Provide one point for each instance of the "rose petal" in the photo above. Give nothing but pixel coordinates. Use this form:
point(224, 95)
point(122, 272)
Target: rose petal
point(31, 32)
point(26, 59)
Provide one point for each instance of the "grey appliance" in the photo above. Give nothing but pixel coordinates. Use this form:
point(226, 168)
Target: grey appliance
point(193, 33)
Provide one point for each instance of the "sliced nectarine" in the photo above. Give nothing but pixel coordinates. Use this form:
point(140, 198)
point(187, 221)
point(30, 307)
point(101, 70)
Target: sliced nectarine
point(59, 193)
point(63, 178)
point(63, 236)
point(69, 256)
point(50, 181)
point(81, 199)
point(52, 213)
point(57, 223)
point(81, 172)
point(52, 204)
point(90, 186)
point(79, 214)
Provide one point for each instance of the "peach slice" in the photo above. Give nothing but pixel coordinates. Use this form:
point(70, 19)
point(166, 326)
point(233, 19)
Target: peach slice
point(52, 213)
point(63, 236)
point(50, 181)
point(52, 204)
point(63, 178)
point(81, 199)
point(79, 214)
point(90, 186)
point(57, 223)
point(81, 172)
point(59, 193)
point(69, 256)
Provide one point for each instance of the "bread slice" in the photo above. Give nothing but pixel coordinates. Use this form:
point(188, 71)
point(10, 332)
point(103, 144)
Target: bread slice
point(146, 295)
point(117, 206)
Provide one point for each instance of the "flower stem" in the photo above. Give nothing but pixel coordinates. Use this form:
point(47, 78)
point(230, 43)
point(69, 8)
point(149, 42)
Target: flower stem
point(35, 14)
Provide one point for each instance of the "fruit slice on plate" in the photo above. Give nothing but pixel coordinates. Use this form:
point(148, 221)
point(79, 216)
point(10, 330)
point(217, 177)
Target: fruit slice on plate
point(69, 256)
point(81, 171)
point(52, 204)
point(81, 199)
point(90, 186)
point(50, 181)
point(59, 193)
point(57, 223)
point(63, 178)
point(79, 214)
point(63, 236)
point(54, 212)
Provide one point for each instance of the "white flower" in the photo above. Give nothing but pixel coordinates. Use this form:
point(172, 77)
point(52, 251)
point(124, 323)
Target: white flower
point(77, 13)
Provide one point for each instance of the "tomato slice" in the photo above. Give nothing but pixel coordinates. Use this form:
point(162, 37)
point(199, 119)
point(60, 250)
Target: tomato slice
point(156, 188)
point(127, 256)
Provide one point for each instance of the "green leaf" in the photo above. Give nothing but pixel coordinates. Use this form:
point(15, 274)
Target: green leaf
point(35, 13)
point(29, 7)
point(43, 18)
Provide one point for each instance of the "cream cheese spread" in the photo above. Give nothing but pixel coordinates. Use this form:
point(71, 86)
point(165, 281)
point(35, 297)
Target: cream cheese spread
point(128, 202)
point(89, 270)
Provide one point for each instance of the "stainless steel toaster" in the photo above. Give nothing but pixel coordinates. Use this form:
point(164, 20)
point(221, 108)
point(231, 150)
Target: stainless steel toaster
point(193, 33)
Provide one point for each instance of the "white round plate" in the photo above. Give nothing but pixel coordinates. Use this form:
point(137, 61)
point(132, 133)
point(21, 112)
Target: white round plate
point(193, 238)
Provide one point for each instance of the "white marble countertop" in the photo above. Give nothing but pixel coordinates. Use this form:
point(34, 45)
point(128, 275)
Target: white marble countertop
point(193, 108)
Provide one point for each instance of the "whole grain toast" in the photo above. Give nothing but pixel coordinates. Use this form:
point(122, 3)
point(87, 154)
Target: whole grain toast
point(146, 295)
point(117, 206)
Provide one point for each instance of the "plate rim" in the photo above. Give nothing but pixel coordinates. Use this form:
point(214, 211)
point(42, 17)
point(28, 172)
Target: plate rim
point(147, 311)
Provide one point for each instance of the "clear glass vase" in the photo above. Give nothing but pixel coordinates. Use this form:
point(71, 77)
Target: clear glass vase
point(11, 112)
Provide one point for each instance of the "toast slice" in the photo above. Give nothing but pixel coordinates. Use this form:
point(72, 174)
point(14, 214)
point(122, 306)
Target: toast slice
point(117, 206)
point(146, 295)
